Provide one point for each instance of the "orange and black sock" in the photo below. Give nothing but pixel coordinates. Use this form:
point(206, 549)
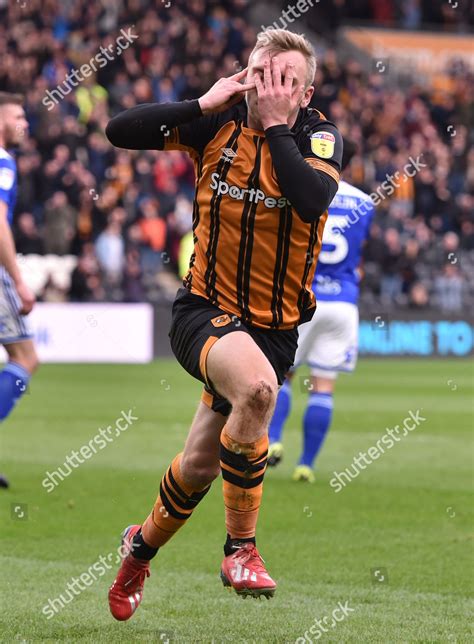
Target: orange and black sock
point(243, 468)
point(174, 505)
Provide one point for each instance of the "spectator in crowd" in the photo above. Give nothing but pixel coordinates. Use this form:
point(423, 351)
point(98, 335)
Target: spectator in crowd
point(86, 285)
point(59, 224)
point(110, 248)
point(28, 238)
point(449, 289)
point(153, 236)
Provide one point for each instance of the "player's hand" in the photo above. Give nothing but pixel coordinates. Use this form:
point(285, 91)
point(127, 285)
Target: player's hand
point(27, 298)
point(225, 93)
point(277, 100)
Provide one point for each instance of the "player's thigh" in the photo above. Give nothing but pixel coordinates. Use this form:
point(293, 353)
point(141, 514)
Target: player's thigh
point(335, 345)
point(23, 353)
point(15, 334)
point(307, 333)
point(201, 452)
point(238, 368)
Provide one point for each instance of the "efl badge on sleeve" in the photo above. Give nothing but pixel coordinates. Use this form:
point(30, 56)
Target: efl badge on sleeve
point(322, 144)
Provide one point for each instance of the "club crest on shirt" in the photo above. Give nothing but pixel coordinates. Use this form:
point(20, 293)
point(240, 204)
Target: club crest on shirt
point(323, 144)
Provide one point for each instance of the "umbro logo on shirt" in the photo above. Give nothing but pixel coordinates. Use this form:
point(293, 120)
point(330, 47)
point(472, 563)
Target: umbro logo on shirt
point(228, 155)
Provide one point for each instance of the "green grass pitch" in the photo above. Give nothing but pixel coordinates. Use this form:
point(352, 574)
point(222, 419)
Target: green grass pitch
point(409, 514)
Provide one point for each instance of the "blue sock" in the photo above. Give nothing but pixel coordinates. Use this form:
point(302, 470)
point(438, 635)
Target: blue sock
point(14, 381)
point(317, 420)
point(281, 413)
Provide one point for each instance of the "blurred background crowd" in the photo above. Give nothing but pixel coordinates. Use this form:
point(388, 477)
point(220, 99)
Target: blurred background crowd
point(124, 214)
point(449, 15)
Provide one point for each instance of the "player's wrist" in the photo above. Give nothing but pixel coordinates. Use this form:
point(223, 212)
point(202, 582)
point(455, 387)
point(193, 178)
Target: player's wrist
point(204, 105)
point(272, 123)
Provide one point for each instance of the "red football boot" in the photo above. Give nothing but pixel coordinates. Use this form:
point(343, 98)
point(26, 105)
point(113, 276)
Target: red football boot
point(244, 571)
point(126, 592)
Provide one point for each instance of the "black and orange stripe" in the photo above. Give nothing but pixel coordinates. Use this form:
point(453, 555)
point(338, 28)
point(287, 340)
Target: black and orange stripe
point(240, 471)
point(247, 227)
point(281, 265)
point(243, 468)
point(173, 507)
point(214, 226)
point(176, 502)
point(196, 216)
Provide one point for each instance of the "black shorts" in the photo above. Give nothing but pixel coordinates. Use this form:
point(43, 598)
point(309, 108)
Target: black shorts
point(197, 325)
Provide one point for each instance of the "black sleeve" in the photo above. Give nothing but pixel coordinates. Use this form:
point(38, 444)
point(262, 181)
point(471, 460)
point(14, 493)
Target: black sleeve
point(154, 126)
point(307, 175)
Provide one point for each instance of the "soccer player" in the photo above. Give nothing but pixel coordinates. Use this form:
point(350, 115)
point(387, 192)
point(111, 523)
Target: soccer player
point(329, 342)
point(267, 168)
point(16, 299)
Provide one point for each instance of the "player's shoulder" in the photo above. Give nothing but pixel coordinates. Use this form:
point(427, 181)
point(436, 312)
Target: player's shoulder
point(212, 124)
point(6, 159)
point(348, 190)
point(237, 113)
point(311, 120)
point(7, 171)
point(319, 139)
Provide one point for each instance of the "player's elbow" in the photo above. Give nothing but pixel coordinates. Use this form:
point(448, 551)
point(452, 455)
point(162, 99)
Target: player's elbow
point(114, 132)
point(309, 212)
point(317, 198)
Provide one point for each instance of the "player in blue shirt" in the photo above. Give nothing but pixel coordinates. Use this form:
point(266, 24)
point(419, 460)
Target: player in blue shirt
point(16, 299)
point(329, 342)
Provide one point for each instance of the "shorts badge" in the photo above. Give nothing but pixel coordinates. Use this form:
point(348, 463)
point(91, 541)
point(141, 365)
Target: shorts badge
point(221, 320)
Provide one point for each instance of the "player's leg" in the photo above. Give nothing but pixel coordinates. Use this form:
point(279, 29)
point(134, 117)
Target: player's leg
point(277, 423)
point(239, 370)
point(16, 339)
point(334, 349)
point(184, 484)
point(15, 376)
point(14, 379)
point(316, 422)
point(186, 481)
point(283, 404)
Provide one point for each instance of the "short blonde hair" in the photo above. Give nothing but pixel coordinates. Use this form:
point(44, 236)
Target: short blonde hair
point(280, 40)
point(6, 98)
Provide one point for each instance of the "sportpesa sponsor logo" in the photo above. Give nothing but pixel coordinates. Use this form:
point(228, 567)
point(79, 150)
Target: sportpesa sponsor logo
point(253, 195)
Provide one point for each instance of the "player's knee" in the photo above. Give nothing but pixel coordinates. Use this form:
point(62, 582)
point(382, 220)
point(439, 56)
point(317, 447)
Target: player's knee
point(30, 360)
point(260, 396)
point(197, 472)
point(26, 357)
point(33, 362)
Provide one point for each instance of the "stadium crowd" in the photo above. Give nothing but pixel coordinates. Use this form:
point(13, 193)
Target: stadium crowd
point(124, 214)
point(454, 15)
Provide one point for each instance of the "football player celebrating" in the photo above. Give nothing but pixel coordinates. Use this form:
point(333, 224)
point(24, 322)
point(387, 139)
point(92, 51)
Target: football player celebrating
point(267, 168)
point(16, 299)
point(329, 342)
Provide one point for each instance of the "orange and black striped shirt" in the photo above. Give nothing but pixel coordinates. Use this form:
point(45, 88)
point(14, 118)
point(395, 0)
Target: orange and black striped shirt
point(254, 256)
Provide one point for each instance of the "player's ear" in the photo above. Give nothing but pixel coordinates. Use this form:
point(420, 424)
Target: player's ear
point(307, 96)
